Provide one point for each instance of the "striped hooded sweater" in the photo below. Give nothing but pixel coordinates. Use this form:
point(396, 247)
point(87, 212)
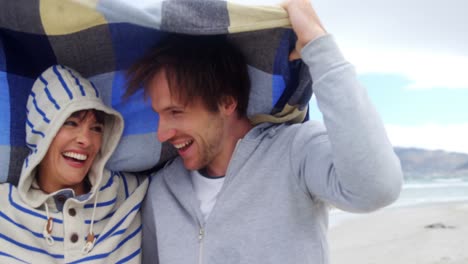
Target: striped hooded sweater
point(33, 229)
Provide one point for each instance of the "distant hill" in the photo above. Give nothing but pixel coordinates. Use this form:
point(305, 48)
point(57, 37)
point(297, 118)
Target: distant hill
point(463, 167)
point(417, 163)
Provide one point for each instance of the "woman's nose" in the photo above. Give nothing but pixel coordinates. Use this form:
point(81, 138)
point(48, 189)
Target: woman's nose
point(84, 137)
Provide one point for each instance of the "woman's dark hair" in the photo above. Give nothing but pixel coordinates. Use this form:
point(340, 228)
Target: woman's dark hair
point(98, 115)
point(209, 68)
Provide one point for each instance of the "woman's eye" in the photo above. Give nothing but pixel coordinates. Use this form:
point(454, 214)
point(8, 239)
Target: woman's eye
point(70, 123)
point(98, 129)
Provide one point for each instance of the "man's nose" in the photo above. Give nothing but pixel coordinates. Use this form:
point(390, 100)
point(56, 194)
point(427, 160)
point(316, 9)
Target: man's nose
point(165, 132)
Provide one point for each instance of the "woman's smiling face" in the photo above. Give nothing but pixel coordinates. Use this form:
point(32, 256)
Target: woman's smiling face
point(71, 153)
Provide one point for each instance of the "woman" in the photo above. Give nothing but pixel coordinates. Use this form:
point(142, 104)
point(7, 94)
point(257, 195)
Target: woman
point(68, 208)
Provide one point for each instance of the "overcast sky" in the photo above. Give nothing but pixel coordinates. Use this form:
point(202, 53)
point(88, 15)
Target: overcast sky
point(412, 56)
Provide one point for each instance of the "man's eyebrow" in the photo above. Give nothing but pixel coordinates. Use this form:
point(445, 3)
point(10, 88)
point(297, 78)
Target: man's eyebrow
point(173, 107)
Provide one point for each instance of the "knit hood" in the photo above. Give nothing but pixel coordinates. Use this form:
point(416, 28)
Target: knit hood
point(56, 94)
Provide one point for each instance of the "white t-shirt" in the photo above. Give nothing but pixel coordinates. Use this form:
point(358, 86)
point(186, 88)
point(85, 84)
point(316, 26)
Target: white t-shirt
point(207, 189)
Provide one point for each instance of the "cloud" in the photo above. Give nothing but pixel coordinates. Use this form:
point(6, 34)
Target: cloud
point(430, 25)
point(423, 70)
point(430, 136)
point(424, 40)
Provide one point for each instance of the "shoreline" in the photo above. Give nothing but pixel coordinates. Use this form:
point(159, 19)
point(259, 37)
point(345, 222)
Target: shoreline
point(435, 233)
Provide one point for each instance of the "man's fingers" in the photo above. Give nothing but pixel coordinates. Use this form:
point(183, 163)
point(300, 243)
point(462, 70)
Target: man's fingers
point(294, 55)
point(304, 20)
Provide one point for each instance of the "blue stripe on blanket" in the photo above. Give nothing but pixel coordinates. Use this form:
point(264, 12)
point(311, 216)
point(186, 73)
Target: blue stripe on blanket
point(277, 90)
point(4, 110)
point(138, 114)
point(33, 56)
point(123, 39)
point(19, 88)
point(281, 66)
point(2, 58)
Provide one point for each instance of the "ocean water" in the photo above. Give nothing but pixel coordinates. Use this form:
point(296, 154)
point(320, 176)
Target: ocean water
point(418, 192)
point(436, 190)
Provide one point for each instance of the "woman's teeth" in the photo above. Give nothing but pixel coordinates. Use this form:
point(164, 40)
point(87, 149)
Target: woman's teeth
point(76, 156)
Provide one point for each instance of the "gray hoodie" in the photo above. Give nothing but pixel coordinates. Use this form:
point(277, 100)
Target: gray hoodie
point(281, 181)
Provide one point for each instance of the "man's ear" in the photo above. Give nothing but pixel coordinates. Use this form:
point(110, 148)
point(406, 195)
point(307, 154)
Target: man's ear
point(228, 105)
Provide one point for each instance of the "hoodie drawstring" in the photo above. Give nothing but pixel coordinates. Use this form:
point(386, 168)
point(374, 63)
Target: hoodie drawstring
point(91, 238)
point(48, 228)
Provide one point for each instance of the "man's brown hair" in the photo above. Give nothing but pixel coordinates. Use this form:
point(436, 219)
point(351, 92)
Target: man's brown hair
point(208, 68)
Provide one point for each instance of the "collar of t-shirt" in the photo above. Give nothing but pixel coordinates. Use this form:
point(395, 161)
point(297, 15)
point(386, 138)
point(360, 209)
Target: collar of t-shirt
point(206, 189)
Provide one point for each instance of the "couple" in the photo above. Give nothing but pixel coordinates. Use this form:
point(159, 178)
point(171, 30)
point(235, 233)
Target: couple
point(237, 193)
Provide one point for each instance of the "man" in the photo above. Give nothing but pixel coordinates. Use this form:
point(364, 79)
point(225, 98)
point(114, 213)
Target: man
point(244, 194)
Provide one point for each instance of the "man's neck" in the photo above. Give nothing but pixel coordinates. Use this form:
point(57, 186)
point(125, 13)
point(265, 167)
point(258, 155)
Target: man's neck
point(237, 130)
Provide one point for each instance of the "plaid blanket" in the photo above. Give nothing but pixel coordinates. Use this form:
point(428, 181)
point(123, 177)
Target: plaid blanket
point(101, 39)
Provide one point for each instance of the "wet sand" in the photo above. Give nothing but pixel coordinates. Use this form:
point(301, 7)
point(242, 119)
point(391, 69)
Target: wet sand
point(426, 234)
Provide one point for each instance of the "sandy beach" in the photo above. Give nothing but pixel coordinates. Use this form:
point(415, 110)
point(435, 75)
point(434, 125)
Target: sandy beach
point(426, 234)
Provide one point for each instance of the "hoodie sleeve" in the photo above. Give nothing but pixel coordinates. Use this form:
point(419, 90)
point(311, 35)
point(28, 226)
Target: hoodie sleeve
point(133, 182)
point(352, 164)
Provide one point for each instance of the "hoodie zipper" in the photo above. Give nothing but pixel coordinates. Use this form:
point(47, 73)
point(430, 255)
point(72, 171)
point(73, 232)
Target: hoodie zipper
point(201, 231)
point(201, 235)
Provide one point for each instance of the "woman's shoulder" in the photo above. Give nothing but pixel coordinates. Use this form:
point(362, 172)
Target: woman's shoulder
point(127, 182)
point(9, 195)
point(7, 188)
